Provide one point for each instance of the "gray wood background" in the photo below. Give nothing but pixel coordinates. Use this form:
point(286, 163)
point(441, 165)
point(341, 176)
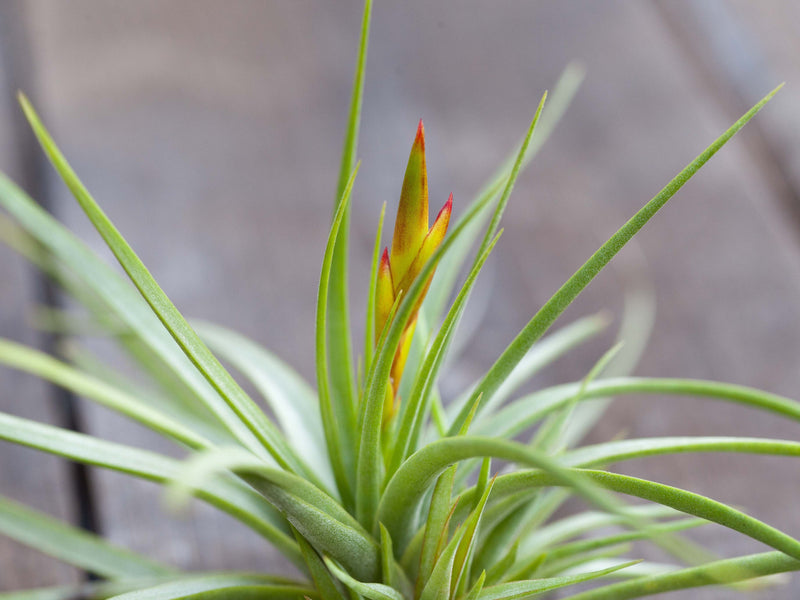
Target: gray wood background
point(210, 133)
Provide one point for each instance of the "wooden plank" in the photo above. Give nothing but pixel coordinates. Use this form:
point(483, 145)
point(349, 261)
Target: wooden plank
point(225, 125)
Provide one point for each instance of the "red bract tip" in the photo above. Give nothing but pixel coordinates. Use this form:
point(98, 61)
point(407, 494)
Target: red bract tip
point(385, 257)
point(420, 135)
point(447, 208)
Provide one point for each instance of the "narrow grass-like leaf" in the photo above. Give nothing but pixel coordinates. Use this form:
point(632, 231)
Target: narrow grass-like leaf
point(294, 403)
point(552, 435)
point(242, 587)
point(230, 496)
point(610, 453)
point(44, 366)
point(523, 413)
point(554, 558)
point(729, 570)
point(435, 525)
point(682, 500)
point(466, 547)
point(338, 325)
point(320, 519)
point(74, 546)
point(122, 298)
point(525, 589)
point(370, 591)
point(236, 398)
point(438, 585)
point(369, 327)
point(446, 277)
point(556, 305)
point(335, 411)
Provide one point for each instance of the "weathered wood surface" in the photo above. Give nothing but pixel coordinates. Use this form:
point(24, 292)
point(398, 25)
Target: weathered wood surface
point(211, 136)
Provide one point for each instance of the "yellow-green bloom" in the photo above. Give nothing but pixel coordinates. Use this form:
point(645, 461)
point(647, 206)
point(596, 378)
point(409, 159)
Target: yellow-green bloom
point(413, 243)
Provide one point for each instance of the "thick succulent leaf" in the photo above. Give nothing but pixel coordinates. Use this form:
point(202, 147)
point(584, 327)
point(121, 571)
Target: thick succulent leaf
point(237, 399)
point(558, 303)
point(370, 591)
point(336, 410)
point(72, 545)
point(728, 571)
point(320, 519)
point(42, 365)
point(231, 496)
point(523, 589)
point(323, 580)
point(294, 403)
point(218, 587)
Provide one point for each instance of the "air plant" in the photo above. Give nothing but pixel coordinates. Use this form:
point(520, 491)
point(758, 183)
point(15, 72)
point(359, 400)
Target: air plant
point(373, 486)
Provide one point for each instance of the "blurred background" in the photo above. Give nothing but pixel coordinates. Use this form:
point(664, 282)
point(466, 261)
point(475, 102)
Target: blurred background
point(210, 132)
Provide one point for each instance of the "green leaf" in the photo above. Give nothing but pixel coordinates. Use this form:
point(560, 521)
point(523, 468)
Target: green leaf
point(523, 589)
point(522, 413)
point(294, 403)
point(230, 496)
point(724, 571)
point(336, 412)
point(463, 558)
point(338, 325)
point(37, 363)
point(369, 328)
point(219, 587)
point(556, 305)
point(613, 452)
point(247, 411)
point(72, 545)
point(446, 277)
point(415, 476)
point(371, 591)
point(682, 500)
point(438, 585)
point(323, 580)
point(236, 398)
point(320, 519)
point(553, 560)
point(120, 297)
point(435, 525)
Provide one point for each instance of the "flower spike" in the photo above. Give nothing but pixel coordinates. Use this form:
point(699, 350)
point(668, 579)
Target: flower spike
point(413, 244)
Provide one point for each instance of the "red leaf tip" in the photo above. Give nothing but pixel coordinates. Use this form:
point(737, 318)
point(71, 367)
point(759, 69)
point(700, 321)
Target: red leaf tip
point(420, 139)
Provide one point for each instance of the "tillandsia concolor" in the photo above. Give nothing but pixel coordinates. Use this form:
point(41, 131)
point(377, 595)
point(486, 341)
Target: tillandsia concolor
point(364, 495)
